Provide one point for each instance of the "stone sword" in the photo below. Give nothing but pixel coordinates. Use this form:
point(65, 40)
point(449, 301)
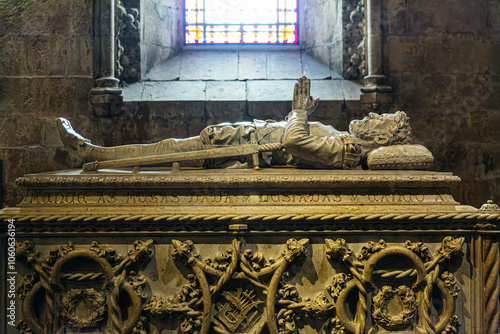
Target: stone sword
point(212, 153)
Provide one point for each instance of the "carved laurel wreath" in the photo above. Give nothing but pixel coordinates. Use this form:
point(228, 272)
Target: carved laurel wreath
point(72, 298)
point(401, 320)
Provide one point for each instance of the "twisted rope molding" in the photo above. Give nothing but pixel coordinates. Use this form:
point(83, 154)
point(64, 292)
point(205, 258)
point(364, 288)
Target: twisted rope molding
point(492, 286)
point(83, 277)
point(114, 309)
point(489, 217)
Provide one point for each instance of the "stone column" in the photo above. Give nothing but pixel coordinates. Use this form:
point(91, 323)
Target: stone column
point(487, 274)
point(376, 94)
point(106, 97)
point(491, 287)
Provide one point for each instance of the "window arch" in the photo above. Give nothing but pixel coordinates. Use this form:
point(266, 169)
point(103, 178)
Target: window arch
point(341, 45)
point(149, 32)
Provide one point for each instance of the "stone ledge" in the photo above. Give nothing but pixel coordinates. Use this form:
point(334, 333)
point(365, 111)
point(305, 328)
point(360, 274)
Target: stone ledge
point(239, 76)
point(249, 90)
point(277, 177)
point(255, 196)
point(240, 65)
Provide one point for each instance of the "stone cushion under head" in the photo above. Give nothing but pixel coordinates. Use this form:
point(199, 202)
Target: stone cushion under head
point(400, 157)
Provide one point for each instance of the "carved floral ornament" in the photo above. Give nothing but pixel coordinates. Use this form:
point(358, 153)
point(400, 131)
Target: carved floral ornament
point(242, 291)
point(71, 300)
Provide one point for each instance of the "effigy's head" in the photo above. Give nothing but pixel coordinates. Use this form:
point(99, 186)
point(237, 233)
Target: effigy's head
point(385, 129)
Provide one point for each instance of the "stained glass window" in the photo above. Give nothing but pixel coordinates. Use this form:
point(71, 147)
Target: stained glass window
point(241, 22)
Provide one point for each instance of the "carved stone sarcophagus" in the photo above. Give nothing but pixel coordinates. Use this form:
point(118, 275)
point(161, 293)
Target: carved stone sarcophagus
point(252, 251)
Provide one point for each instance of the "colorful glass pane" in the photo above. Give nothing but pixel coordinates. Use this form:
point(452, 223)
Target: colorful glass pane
point(287, 34)
point(241, 22)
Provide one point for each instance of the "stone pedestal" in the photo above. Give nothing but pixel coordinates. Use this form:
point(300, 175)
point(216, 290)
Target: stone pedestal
point(253, 251)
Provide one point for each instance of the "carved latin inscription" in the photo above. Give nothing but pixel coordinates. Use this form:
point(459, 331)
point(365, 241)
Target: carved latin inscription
point(233, 197)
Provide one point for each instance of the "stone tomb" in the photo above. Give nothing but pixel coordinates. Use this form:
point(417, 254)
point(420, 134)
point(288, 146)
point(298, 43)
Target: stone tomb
point(277, 251)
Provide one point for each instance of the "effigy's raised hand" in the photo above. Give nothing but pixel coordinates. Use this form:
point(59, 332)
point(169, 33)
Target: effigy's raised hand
point(301, 96)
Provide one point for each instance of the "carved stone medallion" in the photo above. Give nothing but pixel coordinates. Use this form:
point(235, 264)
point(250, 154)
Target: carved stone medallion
point(404, 307)
point(83, 308)
point(237, 311)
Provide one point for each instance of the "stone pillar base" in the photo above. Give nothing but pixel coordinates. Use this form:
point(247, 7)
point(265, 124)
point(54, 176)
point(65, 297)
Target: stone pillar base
point(376, 95)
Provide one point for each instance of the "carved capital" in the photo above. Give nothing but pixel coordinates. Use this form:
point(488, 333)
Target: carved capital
point(376, 95)
point(106, 101)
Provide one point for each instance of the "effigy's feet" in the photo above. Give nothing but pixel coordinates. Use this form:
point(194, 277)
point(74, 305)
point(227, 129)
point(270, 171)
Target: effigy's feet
point(74, 142)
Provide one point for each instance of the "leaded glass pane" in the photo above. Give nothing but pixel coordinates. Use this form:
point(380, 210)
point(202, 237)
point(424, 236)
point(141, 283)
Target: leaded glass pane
point(241, 22)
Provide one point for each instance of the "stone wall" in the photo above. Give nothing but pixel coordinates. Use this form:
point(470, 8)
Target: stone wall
point(45, 71)
point(162, 31)
point(321, 31)
point(440, 58)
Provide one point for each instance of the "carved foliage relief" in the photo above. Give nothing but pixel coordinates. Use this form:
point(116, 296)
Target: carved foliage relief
point(383, 288)
point(398, 282)
point(82, 289)
point(354, 39)
point(237, 291)
point(128, 41)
